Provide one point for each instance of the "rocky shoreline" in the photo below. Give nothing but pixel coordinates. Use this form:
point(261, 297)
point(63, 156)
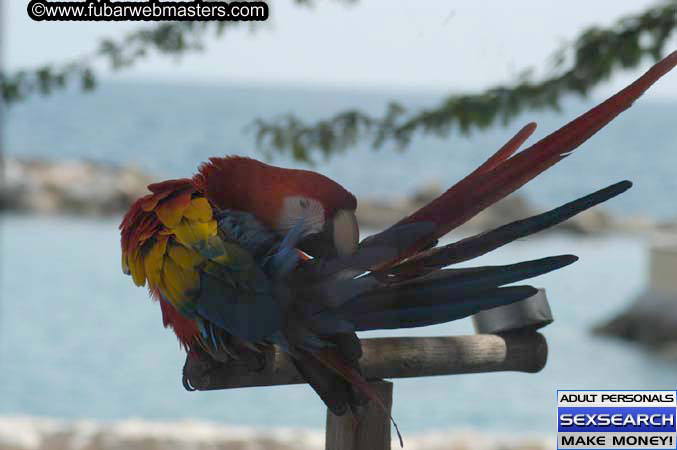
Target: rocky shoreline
point(32, 433)
point(90, 188)
point(650, 320)
point(70, 187)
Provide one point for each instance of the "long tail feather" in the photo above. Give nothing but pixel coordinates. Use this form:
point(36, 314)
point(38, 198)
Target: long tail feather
point(490, 276)
point(506, 151)
point(441, 297)
point(483, 188)
point(463, 306)
point(480, 244)
point(449, 286)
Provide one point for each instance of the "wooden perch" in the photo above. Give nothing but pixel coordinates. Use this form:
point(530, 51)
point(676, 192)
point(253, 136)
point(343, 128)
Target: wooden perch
point(401, 357)
point(516, 346)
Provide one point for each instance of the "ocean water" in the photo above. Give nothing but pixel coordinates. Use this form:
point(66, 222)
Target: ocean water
point(169, 129)
point(77, 339)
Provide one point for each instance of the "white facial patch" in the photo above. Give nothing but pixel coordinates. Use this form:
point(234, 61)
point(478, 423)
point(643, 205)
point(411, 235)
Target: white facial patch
point(346, 232)
point(296, 209)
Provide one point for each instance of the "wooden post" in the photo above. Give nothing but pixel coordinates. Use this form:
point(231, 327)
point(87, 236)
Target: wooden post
point(370, 430)
point(523, 351)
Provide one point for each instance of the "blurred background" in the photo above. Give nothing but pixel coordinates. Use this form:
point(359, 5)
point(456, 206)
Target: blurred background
point(94, 111)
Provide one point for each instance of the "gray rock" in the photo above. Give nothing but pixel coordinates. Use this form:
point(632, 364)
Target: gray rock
point(650, 320)
point(70, 187)
point(85, 187)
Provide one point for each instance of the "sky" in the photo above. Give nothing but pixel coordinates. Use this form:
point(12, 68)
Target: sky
point(424, 44)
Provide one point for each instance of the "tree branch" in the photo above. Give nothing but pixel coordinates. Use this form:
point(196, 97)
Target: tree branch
point(166, 38)
point(596, 54)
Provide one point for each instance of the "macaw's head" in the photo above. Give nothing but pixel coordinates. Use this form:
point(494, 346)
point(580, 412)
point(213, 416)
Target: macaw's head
point(282, 198)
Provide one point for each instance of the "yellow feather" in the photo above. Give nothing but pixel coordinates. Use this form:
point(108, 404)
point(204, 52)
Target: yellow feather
point(169, 216)
point(212, 227)
point(194, 234)
point(154, 259)
point(184, 257)
point(170, 292)
point(180, 282)
point(171, 211)
point(125, 266)
point(199, 209)
point(135, 261)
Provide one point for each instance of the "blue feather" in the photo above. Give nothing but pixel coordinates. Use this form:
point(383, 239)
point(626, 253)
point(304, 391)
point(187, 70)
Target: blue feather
point(286, 257)
point(435, 314)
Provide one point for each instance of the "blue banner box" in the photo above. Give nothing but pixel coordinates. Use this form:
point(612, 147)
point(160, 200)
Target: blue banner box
point(616, 419)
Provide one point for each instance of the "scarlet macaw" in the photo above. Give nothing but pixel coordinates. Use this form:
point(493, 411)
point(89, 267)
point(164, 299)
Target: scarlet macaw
point(225, 253)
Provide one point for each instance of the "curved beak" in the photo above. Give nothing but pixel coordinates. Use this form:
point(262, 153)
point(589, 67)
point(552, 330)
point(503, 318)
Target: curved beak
point(339, 237)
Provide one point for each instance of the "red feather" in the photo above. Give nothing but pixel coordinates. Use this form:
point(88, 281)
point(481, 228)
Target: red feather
point(246, 184)
point(500, 175)
point(186, 330)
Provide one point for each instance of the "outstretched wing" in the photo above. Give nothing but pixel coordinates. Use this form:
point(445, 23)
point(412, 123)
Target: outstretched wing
point(171, 239)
